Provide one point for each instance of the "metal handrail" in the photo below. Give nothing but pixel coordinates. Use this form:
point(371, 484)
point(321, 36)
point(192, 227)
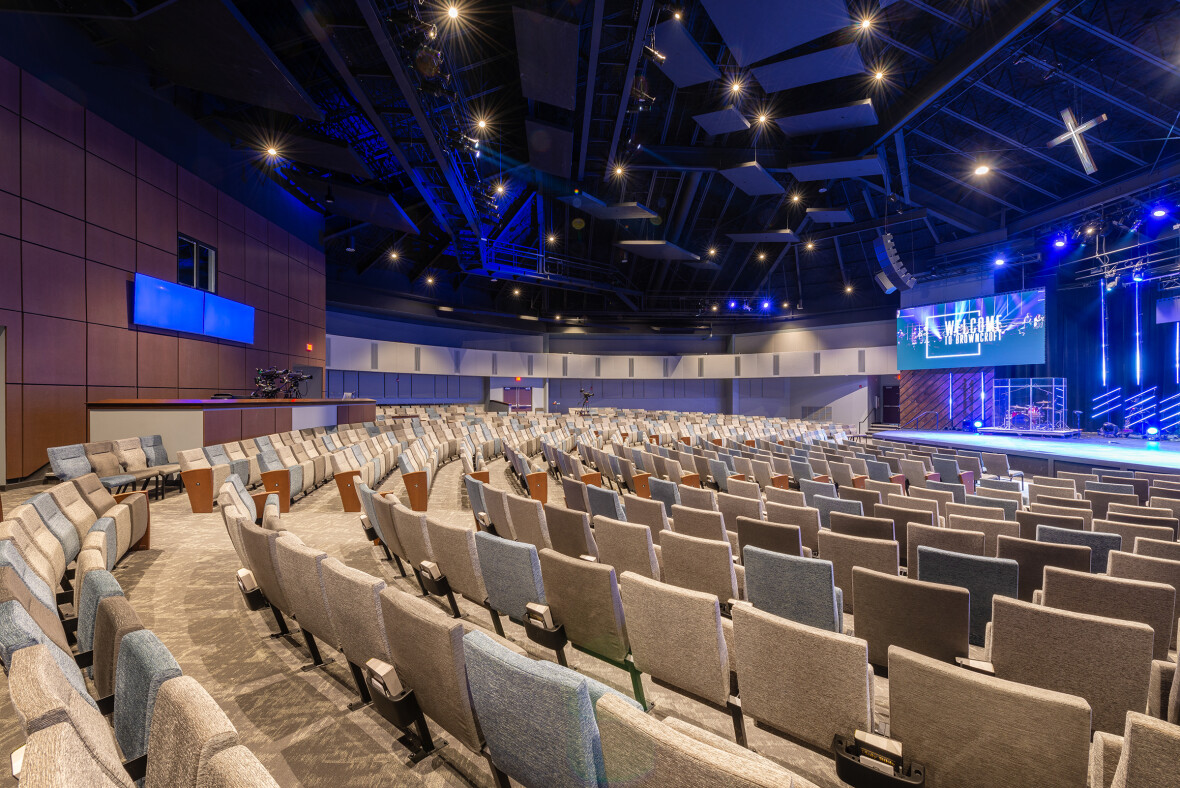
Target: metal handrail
point(937, 417)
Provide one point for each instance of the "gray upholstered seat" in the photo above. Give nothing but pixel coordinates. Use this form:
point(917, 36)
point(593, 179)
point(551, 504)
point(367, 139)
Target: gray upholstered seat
point(983, 577)
point(827, 505)
point(796, 588)
point(952, 539)
point(1100, 544)
point(537, 718)
point(666, 492)
point(144, 664)
point(511, 574)
point(927, 618)
point(810, 489)
point(69, 462)
point(605, 502)
point(1010, 507)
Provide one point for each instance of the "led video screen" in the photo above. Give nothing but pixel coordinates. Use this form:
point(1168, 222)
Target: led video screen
point(989, 331)
point(161, 304)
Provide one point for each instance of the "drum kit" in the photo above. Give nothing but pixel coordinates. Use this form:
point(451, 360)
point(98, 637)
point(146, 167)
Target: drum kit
point(1037, 416)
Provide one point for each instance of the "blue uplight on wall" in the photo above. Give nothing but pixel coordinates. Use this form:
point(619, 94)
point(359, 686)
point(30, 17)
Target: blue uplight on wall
point(167, 305)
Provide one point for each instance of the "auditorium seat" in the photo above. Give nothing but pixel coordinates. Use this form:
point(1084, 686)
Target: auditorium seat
point(1034, 556)
point(71, 504)
point(1029, 520)
point(804, 682)
point(1101, 495)
point(785, 497)
point(994, 499)
point(847, 552)
point(923, 617)
point(201, 478)
point(569, 531)
point(666, 492)
point(1143, 757)
point(583, 597)
point(302, 573)
point(1081, 509)
point(827, 506)
point(701, 565)
point(501, 519)
point(1132, 566)
point(114, 618)
point(996, 465)
point(1149, 603)
point(536, 717)
point(699, 523)
point(1107, 662)
point(511, 575)
point(679, 638)
point(605, 502)
point(811, 489)
point(130, 512)
point(793, 587)
point(1129, 532)
point(96, 586)
point(1100, 544)
point(972, 729)
point(859, 525)
point(777, 537)
point(259, 546)
point(983, 577)
point(528, 520)
point(575, 494)
point(649, 512)
point(144, 665)
point(358, 629)
point(805, 518)
point(952, 539)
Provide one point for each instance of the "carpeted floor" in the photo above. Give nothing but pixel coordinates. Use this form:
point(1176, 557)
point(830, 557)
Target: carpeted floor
point(298, 723)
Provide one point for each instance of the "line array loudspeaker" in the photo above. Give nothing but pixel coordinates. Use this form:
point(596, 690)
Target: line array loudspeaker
point(893, 275)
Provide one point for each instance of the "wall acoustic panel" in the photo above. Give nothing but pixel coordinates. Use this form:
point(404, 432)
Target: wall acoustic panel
point(83, 206)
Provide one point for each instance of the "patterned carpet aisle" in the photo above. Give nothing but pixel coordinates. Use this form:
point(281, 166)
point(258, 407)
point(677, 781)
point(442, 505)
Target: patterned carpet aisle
point(297, 723)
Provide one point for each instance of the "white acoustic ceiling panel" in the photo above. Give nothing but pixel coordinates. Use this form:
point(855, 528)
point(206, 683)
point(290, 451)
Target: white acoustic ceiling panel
point(854, 115)
point(685, 62)
point(611, 212)
point(841, 61)
point(756, 29)
point(657, 250)
point(835, 169)
point(829, 215)
point(766, 237)
point(723, 121)
point(753, 179)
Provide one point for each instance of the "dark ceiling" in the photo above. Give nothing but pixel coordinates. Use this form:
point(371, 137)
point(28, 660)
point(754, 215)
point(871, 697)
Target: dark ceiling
point(611, 188)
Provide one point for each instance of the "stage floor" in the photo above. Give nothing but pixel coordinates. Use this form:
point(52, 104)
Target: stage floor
point(1111, 452)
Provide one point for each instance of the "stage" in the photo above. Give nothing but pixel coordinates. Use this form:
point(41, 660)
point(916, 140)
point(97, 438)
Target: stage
point(1045, 456)
point(1029, 433)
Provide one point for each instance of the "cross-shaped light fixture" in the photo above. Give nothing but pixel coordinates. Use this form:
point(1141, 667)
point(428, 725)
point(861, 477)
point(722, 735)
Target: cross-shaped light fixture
point(1074, 134)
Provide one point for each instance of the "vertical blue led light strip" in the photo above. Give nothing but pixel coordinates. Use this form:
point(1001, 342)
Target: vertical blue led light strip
point(1102, 304)
point(982, 405)
point(950, 399)
point(1177, 352)
point(1138, 355)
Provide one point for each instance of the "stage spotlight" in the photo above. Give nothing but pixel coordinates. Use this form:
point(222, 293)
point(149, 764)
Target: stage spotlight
point(735, 87)
point(1112, 283)
point(880, 75)
point(393, 255)
point(1000, 261)
point(1108, 430)
point(516, 291)
point(1153, 430)
point(552, 239)
point(795, 198)
point(453, 12)
point(1159, 213)
point(1059, 242)
point(1137, 276)
point(977, 424)
point(499, 188)
point(654, 55)
point(762, 257)
point(733, 304)
point(766, 305)
point(619, 172)
point(786, 305)
point(982, 169)
point(1091, 229)
point(866, 23)
point(272, 152)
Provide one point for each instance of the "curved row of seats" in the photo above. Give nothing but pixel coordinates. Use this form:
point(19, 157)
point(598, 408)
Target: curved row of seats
point(119, 464)
point(143, 721)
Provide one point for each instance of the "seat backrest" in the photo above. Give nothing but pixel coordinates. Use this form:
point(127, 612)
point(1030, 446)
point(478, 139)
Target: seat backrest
point(1129, 532)
point(993, 499)
point(575, 494)
point(1157, 549)
point(805, 518)
point(115, 619)
point(647, 511)
point(511, 574)
point(1153, 604)
point(954, 721)
point(674, 749)
point(605, 502)
point(627, 547)
point(537, 717)
point(983, 577)
point(497, 502)
point(784, 497)
point(457, 557)
point(569, 531)
point(354, 602)
point(811, 488)
point(735, 506)
point(776, 537)
point(1100, 544)
point(429, 658)
point(700, 564)
point(130, 454)
point(1149, 751)
point(528, 521)
point(744, 489)
point(827, 506)
point(859, 525)
point(1033, 557)
point(846, 552)
point(676, 636)
point(666, 492)
point(144, 665)
point(796, 588)
point(1085, 512)
point(697, 497)
point(952, 539)
point(1105, 661)
point(1132, 566)
point(187, 729)
point(699, 523)
point(1029, 520)
point(820, 684)
point(69, 462)
point(927, 618)
point(584, 597)
point(261, 553)
point(301, 569)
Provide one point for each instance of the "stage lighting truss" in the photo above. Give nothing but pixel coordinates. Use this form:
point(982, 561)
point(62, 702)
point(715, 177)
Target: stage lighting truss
point(1170, 413)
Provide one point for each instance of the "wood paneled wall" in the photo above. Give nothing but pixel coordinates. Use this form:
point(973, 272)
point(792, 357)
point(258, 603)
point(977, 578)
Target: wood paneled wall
point(954, 394)
point(83, 207)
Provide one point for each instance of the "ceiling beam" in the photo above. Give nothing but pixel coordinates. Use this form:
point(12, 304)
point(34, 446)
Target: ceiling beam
point(673, 158)
point(393, 61)
point(1024, 148)
point(1122, 44)
point(915, 215)
point(995, 170)
point(629, 78)
point(1009, 21)
point(431, 257)
point(1078, 82)
point(591, 74)
point(943, 15)
point(342, 69)
point(948, 211)
point(903, 165)
point(971, 187)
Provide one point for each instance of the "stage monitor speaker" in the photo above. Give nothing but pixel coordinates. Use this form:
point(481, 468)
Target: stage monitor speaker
point(893, 270)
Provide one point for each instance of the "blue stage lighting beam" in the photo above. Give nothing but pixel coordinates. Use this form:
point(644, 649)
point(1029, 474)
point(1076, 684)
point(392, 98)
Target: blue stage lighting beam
point(1102, 318)
point(1138, 353)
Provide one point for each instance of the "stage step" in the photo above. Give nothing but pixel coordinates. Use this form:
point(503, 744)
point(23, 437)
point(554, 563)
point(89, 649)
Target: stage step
point(878, 427)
